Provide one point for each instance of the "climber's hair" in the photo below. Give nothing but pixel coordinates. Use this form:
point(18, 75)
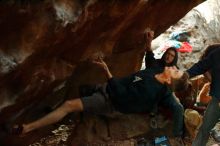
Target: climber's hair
point(180, 84)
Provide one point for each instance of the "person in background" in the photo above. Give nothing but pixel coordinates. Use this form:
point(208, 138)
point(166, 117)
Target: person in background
point(208, 64)
point(169, 58)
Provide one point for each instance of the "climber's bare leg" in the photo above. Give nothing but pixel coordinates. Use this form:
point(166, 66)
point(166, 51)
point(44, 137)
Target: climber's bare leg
point(69, 106)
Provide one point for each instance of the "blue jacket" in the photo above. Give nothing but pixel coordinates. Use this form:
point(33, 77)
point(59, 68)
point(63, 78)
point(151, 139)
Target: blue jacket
point(210, 63)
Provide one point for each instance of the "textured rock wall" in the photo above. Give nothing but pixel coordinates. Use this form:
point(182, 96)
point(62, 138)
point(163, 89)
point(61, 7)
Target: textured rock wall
point(43, 42)
point(202, 22)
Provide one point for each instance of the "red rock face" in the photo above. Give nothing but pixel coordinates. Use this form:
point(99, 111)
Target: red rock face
point(45, 42)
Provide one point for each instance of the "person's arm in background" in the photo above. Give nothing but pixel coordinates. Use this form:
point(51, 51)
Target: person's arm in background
point(149, 55)
point(148, 37)
point(200, 67)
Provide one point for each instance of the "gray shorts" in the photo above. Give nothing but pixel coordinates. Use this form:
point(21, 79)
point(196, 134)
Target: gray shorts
point(98, 102)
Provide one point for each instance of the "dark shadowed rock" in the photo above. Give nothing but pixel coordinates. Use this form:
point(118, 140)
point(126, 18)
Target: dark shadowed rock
point(45, 43)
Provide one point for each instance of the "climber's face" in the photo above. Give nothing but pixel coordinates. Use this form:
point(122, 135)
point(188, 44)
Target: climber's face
point(173, 72)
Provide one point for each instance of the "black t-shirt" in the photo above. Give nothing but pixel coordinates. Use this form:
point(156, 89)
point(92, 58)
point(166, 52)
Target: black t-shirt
point(138, 92)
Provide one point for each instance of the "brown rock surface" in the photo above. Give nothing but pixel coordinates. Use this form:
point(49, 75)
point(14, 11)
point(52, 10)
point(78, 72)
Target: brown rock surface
point(42, 43)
